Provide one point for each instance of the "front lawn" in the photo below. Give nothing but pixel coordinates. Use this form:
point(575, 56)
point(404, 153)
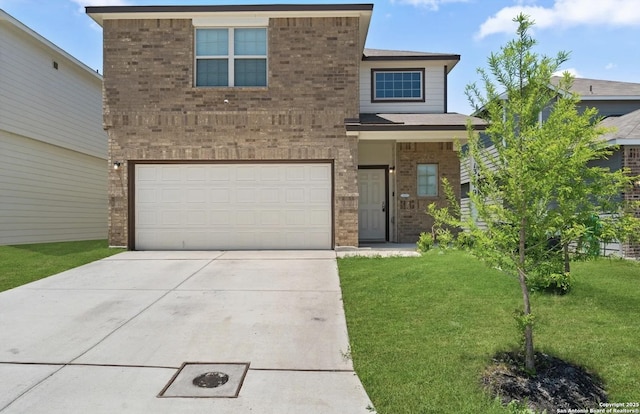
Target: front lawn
point(25, 263)
point(423, 329)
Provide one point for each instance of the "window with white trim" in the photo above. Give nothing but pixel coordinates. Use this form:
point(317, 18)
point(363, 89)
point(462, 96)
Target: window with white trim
point(427, 180)
point(231, 57)
point(397, 85)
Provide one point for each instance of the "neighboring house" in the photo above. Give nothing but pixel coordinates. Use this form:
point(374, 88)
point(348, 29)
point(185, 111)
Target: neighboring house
point(269, 127)
point(619, 104)
point(53, 150)
point(626, 136)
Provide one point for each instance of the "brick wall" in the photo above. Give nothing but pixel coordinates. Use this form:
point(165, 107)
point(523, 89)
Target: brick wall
point(412, 219)
point(153, 112)
point(631, 160)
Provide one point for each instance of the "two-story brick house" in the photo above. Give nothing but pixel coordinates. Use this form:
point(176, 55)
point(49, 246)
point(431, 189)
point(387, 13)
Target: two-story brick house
point(269, 127)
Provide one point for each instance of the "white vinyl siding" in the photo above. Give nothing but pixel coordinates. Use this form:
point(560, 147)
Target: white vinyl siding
point(62, 107)
point(233, 206)
point(434, 89)
point(50, 193)
point(53, 149)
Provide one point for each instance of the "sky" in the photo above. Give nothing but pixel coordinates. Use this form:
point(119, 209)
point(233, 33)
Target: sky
point(602, 36)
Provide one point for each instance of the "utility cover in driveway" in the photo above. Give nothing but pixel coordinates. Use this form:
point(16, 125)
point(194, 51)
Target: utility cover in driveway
point(204, 380)
point(233, 206)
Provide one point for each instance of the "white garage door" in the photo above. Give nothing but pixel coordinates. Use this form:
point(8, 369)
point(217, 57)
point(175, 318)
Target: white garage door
point(232, 206)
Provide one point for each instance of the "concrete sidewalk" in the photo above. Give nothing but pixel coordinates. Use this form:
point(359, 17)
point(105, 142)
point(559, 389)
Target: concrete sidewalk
point(379, 250)
point(110, 336)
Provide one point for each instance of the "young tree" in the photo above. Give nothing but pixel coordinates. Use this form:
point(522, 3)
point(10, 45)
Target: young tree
point(532, 184)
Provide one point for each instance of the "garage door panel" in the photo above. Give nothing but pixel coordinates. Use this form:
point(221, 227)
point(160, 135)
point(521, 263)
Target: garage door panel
point(270, 218)
point(163, 240)
point(246, 173)
point(146, 195)
point(220, 195)
point(146, 174)
point(318, 173)
point(171, 173)
point(295, 173)
point(270, 195)
point(196, 174)
point(171, 218)
point(218, 173)
point(199, 218)
point(319, 218)
point(233, 206)
point(246, 195)
point(196, 196)
point(147, 218)
point(270, 173)
point(319, 195)
point(219, 218)
point(295, 195)
point(295, 218)
point(171, 195)
point(245, 218)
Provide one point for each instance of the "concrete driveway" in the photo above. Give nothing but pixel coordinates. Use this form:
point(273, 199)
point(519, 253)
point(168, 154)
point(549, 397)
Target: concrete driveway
point(128, 334)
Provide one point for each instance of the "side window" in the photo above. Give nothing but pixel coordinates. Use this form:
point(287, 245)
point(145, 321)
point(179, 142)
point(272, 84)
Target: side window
point(397, 85)
point(231, 57)
point(427, 180)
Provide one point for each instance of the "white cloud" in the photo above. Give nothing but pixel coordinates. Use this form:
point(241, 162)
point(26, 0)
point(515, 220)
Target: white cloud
point(610, 66)
point(431, 4)
point(573, 71)
point(84, 3)
point(565, 13)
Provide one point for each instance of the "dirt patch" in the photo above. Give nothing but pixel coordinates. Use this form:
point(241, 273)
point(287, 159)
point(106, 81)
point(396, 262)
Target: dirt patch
point(557, 386)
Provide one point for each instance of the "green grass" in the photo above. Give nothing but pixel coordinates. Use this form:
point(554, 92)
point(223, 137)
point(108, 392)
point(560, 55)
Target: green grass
point(25, 263)
point(422, 330)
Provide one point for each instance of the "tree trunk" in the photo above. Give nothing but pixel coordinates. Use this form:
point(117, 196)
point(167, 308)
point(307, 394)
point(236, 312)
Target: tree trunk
point(567, 264)
point(529, 361)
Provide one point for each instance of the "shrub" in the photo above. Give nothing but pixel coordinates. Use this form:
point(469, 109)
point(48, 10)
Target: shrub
point(549, 276)
point(464, 240)
point(444, 238)
point(425, 242)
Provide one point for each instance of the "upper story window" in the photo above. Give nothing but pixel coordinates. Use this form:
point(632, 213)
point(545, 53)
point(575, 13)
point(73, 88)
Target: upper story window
point(404, 85)
point(231, 57)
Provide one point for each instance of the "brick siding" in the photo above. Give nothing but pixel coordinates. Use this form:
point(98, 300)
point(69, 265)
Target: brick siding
point(412, 218)
point(153, 112)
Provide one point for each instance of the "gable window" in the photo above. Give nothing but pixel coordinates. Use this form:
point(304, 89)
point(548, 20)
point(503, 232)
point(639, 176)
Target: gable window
point(231, 57)
point(427, 180)
point(397, 85)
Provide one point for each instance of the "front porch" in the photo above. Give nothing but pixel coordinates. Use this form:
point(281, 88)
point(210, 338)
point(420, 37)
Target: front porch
point(402, 159)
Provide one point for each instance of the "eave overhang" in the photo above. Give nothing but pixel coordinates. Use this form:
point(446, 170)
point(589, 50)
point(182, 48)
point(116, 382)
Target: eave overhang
point(414, 127)
point(376, 55)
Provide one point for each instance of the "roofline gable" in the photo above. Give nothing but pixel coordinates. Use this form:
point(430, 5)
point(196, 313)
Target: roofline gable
point(6, 17)
point(363, 11)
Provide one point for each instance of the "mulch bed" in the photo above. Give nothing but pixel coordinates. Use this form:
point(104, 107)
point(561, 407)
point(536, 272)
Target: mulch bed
point(557, 385)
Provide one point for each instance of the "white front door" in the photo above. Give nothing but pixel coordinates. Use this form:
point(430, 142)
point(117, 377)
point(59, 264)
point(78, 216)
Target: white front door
point(372, 216)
